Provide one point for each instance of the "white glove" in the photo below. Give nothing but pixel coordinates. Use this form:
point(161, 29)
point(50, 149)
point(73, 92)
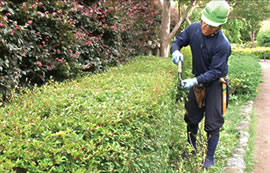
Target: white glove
point(177, 56)
point(188, 83)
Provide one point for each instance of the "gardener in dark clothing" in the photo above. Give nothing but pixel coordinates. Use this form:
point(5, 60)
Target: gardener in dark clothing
point(210, 53)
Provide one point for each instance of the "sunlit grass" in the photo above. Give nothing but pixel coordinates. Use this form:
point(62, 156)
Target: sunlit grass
point(249, 157)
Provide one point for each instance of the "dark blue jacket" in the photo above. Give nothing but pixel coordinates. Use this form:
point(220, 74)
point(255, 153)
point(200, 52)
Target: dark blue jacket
point(209, 53)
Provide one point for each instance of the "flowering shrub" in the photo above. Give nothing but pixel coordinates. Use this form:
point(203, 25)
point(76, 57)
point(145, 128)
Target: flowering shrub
point(36, 42)
point(140, 22)
point(43, 38)
point(98, 36)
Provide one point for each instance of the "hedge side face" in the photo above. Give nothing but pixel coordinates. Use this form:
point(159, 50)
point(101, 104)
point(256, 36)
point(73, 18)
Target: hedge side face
point(103, 123)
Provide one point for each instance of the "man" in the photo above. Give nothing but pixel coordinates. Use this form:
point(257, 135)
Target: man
point(210, 53)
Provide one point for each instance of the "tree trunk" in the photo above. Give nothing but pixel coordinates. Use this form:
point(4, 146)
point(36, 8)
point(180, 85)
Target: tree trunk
point(252, 35)
point(165, 29)
point(165, 35)
point(191, 6)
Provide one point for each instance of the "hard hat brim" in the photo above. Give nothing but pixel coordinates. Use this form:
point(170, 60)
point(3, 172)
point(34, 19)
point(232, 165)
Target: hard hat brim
point(210, 22)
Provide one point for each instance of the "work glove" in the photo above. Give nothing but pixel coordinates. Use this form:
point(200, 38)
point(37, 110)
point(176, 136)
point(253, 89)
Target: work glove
point(177, 56)
point(188, 83)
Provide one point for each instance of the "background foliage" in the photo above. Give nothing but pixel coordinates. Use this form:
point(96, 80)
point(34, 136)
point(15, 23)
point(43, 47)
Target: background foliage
point(263, 39)
point(42, 39)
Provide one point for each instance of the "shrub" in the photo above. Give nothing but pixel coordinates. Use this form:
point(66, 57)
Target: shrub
point(263, 38)
point(140, 21)
point(244, 77)
point(260, 52)
point(125, 120)
point(61, 39)
point(36, 43)
point(109, 122)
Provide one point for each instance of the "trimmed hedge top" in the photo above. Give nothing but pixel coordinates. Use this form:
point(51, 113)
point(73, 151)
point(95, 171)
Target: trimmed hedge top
point(261, 52)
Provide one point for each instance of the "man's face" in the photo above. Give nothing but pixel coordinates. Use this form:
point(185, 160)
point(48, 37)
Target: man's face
point(208, 30)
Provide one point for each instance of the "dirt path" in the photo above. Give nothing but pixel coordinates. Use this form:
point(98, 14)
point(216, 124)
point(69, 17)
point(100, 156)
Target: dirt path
point(262, 146)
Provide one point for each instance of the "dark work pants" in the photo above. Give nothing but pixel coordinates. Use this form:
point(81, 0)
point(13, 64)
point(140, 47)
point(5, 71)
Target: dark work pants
point(212, 109)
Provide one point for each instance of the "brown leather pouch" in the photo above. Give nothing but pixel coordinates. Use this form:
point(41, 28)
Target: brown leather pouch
point(199, 92)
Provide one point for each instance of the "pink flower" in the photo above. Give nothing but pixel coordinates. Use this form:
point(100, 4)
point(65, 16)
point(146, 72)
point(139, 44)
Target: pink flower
point(39, 63)
point(114, 27)
point(39, 13)
point(24, 5)
point(54, 14)
point(2, 3)
point(40, 3)
point(7, 14)
point(62, 60)
point(5, 19)
point(89, 43)
point(29, 22)
point(1, 24)
point(78, 53)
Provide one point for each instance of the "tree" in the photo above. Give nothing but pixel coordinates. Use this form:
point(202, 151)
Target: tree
point(165, 34)
point(252, 13)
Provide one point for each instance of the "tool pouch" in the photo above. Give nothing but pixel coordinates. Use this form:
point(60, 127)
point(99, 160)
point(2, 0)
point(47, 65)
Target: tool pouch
point(199, 92)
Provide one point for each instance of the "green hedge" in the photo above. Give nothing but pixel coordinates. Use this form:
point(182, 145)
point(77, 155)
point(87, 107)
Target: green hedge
point(261, 52)
point(103, 123)
point(125, 120)
point(244, 76)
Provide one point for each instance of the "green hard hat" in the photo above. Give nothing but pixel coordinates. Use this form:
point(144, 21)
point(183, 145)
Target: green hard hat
point(215, 13)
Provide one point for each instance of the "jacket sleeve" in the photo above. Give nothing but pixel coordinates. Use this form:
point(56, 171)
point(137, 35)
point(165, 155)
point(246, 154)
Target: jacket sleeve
point(219, 65)
point(181, 40)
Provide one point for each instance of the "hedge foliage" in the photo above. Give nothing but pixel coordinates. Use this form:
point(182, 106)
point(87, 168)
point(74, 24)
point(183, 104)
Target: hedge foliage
point(104, 123)
point(42, 39)
point(123, 120)
point(244, 76)
point(261, 52)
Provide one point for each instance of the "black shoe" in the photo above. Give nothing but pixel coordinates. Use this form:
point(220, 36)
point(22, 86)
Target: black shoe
point(208, 162)
point(211, 149)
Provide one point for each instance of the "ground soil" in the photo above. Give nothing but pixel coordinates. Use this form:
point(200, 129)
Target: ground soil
point(262, 140)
